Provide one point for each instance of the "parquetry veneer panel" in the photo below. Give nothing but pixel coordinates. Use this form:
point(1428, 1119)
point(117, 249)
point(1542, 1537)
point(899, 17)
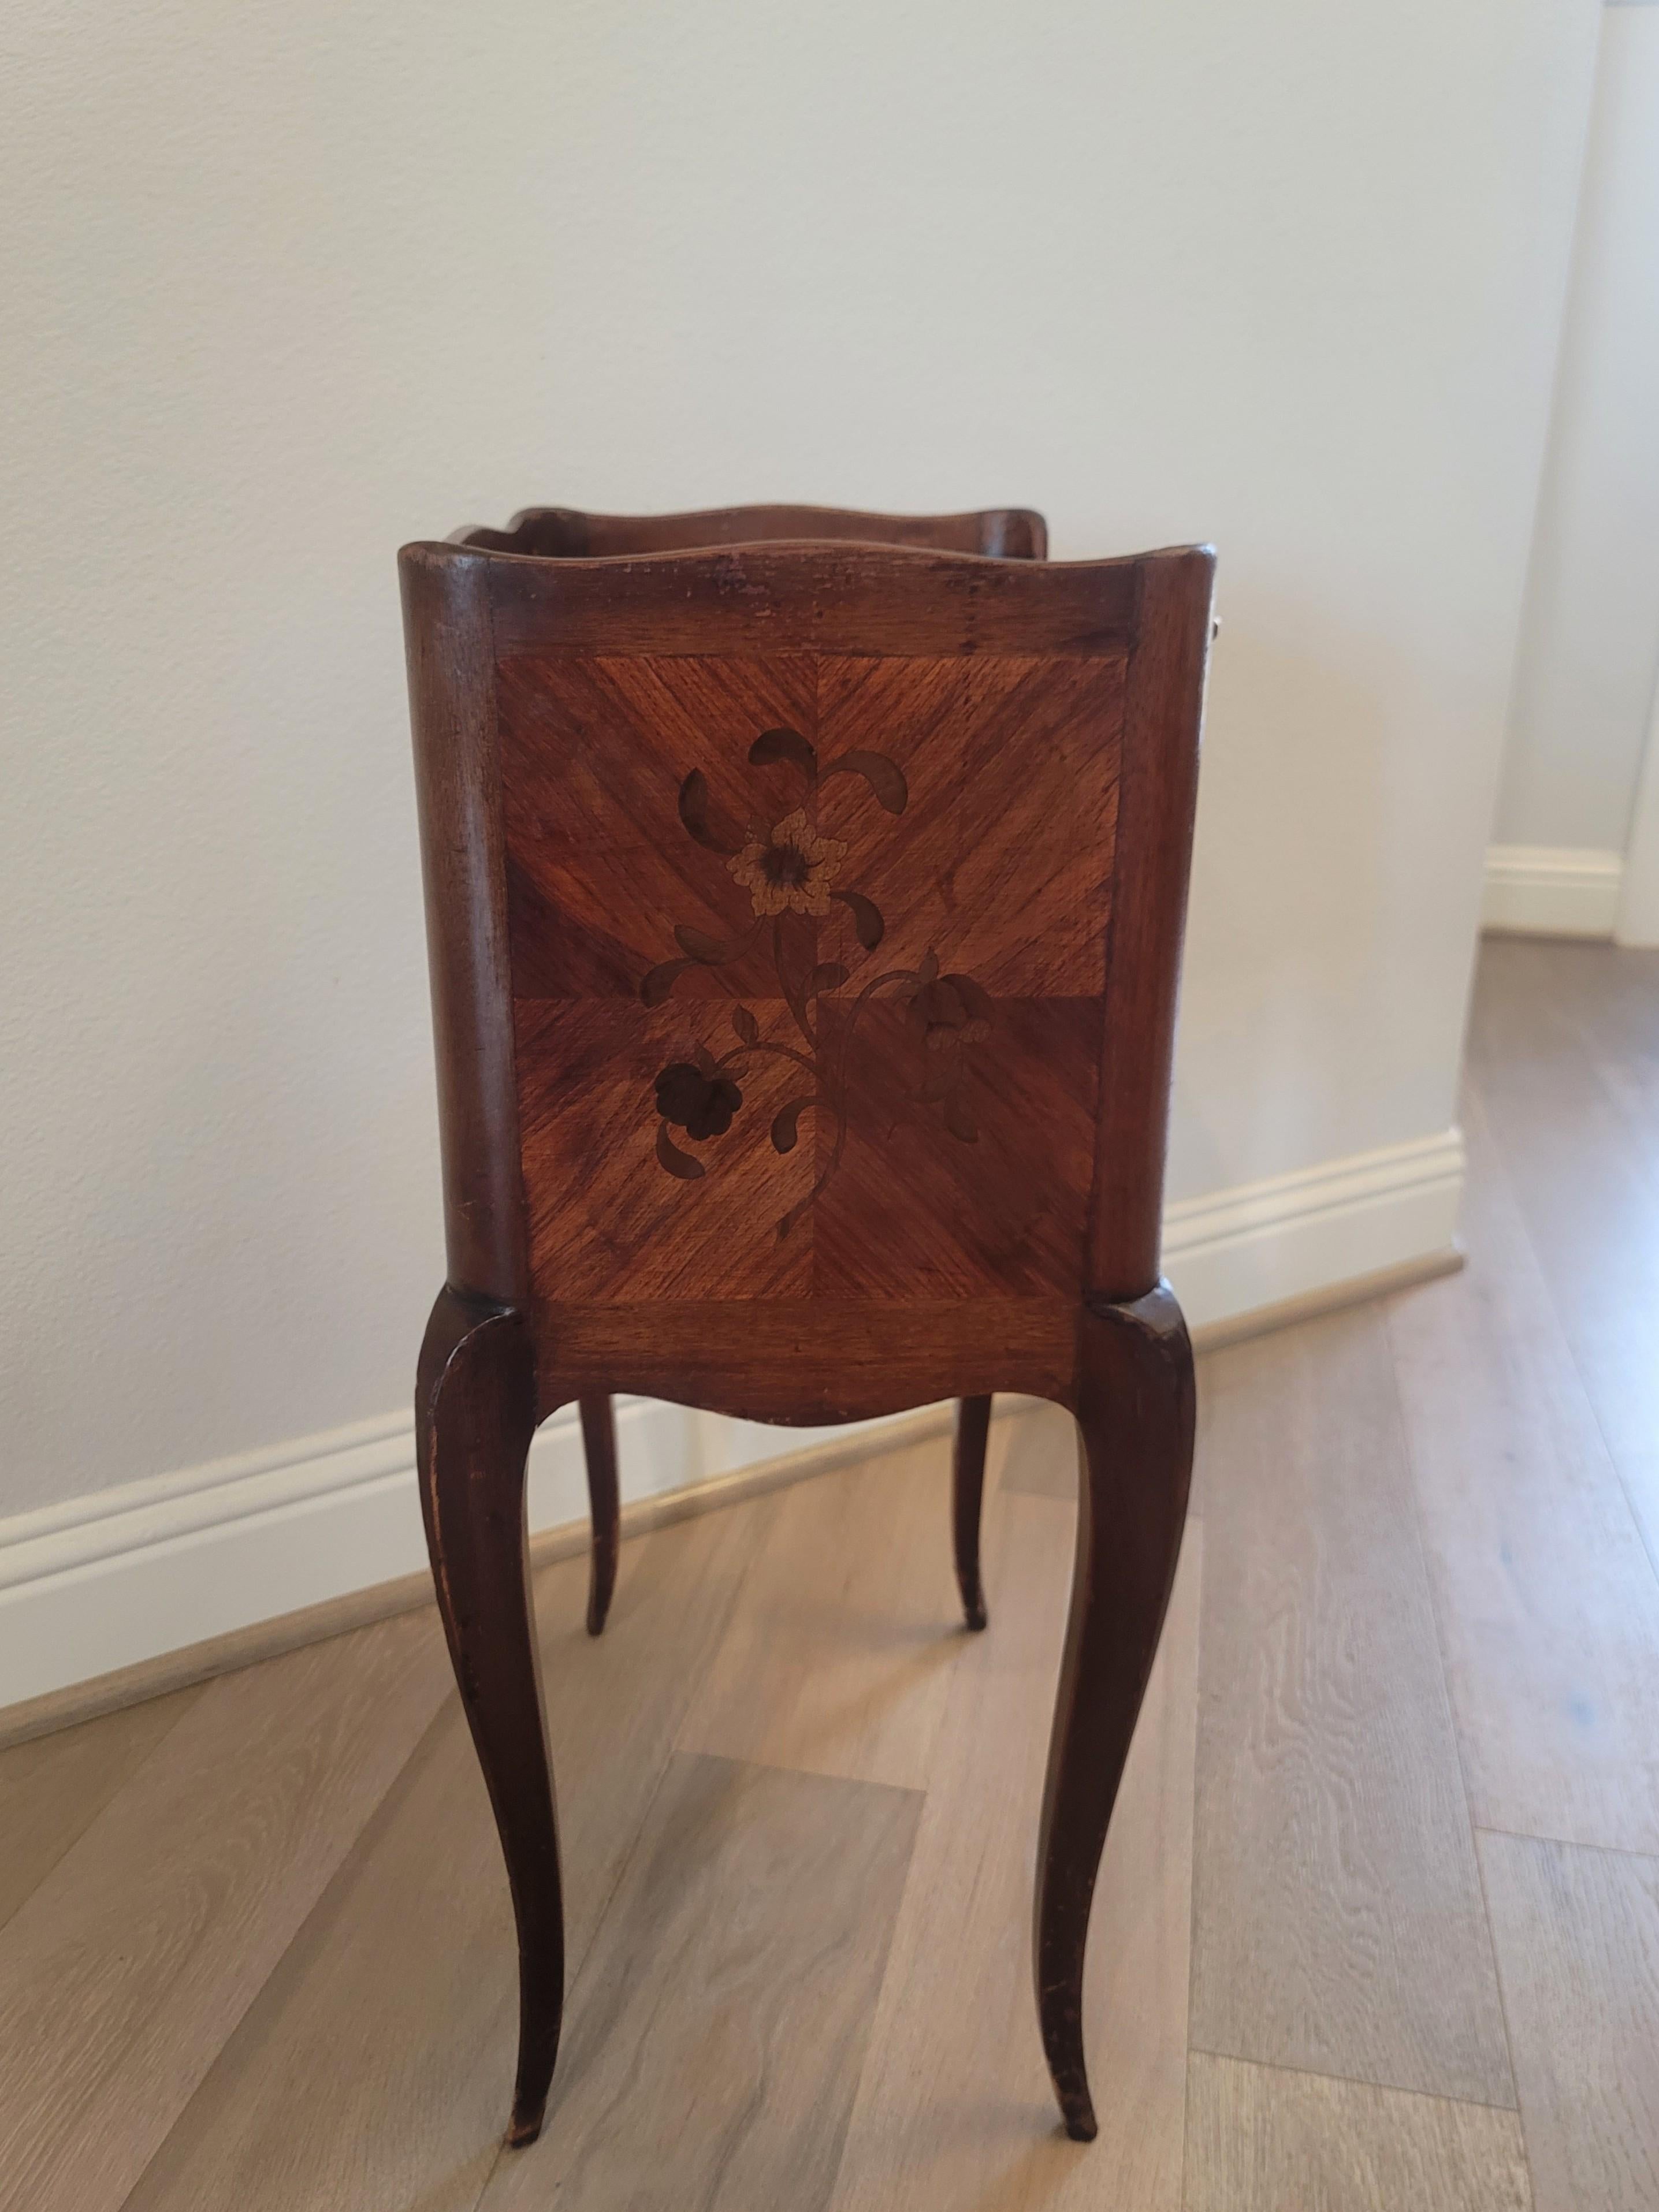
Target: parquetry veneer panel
point(925, 1005)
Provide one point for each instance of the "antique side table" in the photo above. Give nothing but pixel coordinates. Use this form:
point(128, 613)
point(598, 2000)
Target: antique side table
point(804, 896)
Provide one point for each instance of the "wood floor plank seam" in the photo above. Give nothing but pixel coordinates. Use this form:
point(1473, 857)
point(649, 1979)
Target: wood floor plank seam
point(574, 1965)
point(1615, 1459)
point(349, 1858)
point(139, 1988)
point(1414, 1490)
point(1567, 1133)
point(744, 1884)
point(1350, 2080)
point(1262, 2137)
point(1579, 1938)
point(1503, 1994)
point(1565, 1843)
point(1586, 1382)
point(854, 1644)
point(1548, 1586)
point(1339, 1921)
point(414, 2120)
point(44, 1873)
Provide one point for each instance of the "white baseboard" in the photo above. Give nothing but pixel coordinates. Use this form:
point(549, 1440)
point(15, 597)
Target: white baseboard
point(109, 1580)
point(116, 1578)
point(1264, 1244)
point(1551, 890)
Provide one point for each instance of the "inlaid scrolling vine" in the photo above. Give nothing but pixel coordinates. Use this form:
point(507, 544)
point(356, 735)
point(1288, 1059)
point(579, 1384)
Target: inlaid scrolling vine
point(789, 866)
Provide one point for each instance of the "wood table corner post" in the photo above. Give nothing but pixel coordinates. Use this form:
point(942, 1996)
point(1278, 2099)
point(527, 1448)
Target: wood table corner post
point(805, 895)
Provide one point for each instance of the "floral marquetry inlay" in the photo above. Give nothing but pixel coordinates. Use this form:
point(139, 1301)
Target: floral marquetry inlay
point(808, 961)
point(788, 867)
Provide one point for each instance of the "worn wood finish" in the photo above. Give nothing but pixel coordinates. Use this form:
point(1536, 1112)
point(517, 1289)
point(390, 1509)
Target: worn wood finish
point(1260, 2139)
point(554, 533)
point(795, 901)
point(1578, 1937)
point(853, 600)
point(967, 1492)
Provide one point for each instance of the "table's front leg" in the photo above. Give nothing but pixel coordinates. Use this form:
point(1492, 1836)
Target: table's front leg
point(1134, 1404)
point(475, 1413)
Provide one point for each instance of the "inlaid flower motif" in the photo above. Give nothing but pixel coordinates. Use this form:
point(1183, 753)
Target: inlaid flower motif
point(789, 868)
point(703, 1105)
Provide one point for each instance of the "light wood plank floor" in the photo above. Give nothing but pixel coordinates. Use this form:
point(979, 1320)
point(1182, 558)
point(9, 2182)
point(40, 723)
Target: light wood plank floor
point(1378, 1924)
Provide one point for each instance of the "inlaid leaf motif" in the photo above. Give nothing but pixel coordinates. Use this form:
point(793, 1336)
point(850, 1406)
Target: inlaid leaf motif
point(785, 745)
point(705, 821)
point(677, 1162)
point(661, 980)
point(959, 1120)
point(786, 1125)
point(866, 917)
point(743, 1023)
point(885, 778)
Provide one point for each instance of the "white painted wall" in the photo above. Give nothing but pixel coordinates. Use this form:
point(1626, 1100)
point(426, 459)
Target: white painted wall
point(1637, 919)
point(1589, 653)
point(289, 284)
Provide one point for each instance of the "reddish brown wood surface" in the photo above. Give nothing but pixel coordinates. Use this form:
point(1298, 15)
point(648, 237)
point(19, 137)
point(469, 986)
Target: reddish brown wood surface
point(928, 1160)
point(808, 599)
point(446, 624)
point(802, 1362)
point(805, 925)
point(475, 1412)
point(1013, 533)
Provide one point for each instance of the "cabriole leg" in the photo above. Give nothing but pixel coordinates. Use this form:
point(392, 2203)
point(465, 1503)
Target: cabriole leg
point(1135, 1408)
point(475, 1410)
point(967, 1490)
point(599, 1446)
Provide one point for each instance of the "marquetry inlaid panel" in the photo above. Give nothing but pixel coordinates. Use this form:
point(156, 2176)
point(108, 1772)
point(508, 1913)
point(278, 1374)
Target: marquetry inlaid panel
point(808, 956)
